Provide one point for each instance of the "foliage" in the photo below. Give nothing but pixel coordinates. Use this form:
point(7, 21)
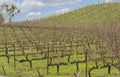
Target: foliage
point(11, 11)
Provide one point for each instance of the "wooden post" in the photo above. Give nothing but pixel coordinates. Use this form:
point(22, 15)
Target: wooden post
point(86, 59)
point(48, 60)
point(14, 57)
point(109, 69)
point(77, 65)
point(58, 69)
point(30, 61)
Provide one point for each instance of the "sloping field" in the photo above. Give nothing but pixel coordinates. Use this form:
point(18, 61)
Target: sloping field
point(42, 50)
point(94, 14)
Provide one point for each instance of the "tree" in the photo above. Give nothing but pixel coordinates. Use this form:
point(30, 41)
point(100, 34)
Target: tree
point(1, 18)
point(11, 11)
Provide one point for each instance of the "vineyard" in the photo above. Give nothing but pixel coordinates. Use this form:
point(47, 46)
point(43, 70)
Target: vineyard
point(62, 51)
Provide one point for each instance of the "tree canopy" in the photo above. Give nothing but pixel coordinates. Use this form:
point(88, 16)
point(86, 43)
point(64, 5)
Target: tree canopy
point(10, 11)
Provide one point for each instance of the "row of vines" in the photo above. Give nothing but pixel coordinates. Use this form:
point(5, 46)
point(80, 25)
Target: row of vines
point(62, 46)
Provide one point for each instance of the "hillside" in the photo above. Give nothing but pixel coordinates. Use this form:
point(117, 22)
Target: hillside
point(101, 13)
point(81, 43)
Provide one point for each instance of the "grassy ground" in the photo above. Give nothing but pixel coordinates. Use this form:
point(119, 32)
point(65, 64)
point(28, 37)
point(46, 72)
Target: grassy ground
point(23, 70)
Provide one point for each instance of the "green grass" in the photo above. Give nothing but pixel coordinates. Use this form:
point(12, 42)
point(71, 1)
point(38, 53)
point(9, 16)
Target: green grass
point(23, 70)
point(94, 14)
